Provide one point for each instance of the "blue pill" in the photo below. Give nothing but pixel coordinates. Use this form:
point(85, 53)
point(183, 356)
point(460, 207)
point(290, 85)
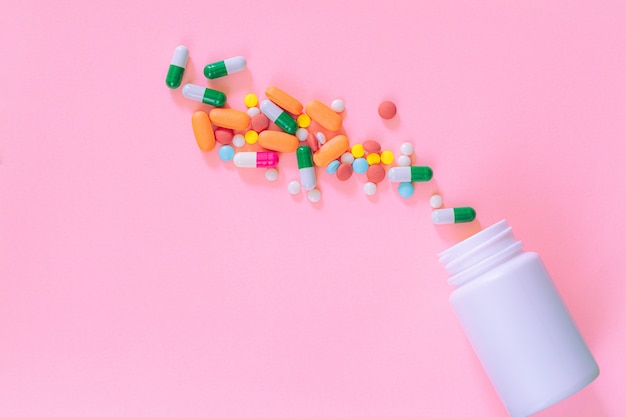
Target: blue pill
point(406, 189)
point(360, 165)
point(226, 152)
point(332, 167)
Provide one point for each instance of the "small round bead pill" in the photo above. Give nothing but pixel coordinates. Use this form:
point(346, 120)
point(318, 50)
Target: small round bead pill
point(357, 150)
point(293, 187)
point(302, 134)
point(373, 159)
point(435, 201)
point(238, 140)
point(371, 146)
point(251, 100)
point(347, 158)
point(253, 111)
point(406, 189)
point(333, 166)
point(224, 136)
point(337, 105)
point(304, 120)
point(404, 161)
point(406, 148)
point(226, 152)
point(344, 172)
point(386, 157)
point(369, 188)
point(360, 165)
point(314, 195)
point(251, 137)
point(321, 138)
point(271, 174)
point(387, 110)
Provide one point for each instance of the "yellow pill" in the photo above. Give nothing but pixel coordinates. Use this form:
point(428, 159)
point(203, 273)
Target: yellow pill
point(358, 150)
point(304, 120)
point(251, 137)
point(251, 100)
point(373, 159)
point(386, 157)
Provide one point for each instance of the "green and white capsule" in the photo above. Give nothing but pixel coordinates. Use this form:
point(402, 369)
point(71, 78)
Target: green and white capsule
point(410, 174)
point(453, 215)
point(225, 67)
point(305, 166)
point(204, 95)
point(177, 67)
point(279, 116)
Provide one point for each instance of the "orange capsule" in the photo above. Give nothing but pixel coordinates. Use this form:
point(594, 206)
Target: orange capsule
point(324, 115)
point(230, 118)
point(331, 150)
point(283, 100)
point(274, 140)
point(203, 131)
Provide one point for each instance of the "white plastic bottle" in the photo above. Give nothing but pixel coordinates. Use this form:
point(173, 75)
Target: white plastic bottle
point(516, 321)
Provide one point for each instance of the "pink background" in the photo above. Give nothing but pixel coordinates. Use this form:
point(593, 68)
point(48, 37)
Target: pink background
point(141, 277)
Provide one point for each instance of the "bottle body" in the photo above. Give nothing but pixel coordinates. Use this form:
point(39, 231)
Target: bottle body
point(517, 323)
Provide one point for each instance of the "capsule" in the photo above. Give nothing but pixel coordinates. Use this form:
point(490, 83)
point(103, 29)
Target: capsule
point(204, 95)
point(410, 174)
point(453, 215)
point(225, 67)
point(305, 166)
point(177, 67)
point(256, 159)
point(279, 116)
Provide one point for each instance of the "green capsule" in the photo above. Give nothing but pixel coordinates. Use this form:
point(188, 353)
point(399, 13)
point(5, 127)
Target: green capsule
point(225, 67)
point(177, 67)
point(286, 123)
point(204, 95)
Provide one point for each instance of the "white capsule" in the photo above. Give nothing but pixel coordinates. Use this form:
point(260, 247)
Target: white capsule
point(293, 187)
point(271, 110)
point(307, 178)
point(235, 64)
point(406, 148)
point(369, 188)
point(443, 216)
point(181, 55)
point(436, 201)
point(271, 174)
point(347, 158)
point(314, 195)
point(238, 140)
point(404, 161)
point(253, 111)
point(302, 134)
point(337, 105)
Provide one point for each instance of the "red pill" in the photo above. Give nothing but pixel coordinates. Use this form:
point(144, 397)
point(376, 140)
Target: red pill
point(313, 143)
point(375, 173)
point(387, 110)
point(371, 146)
point(344, 172)
point(224, 136)
point(259, 123)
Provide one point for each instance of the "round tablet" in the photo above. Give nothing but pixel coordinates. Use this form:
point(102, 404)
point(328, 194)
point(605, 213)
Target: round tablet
point(337, 105)
point(238, 140)
point(259, 123)
point(302, 134)
point(406, 148)
point(369, 188)
point(224, 136)
point(373, 158)
point(376, 173)
point(333, 166)
point(226, 152)
point(406, 189)
point(360, 165)
point(251, 137)
point(404, 161)
point(251, 100)
point(304, 120)
point(344, 172)
point(357, 150)
point(293, 187)
point(271, 174)
point(436, 201)
point(386, 157)
point(387, 110)
point(314, 195)
point(371, 146)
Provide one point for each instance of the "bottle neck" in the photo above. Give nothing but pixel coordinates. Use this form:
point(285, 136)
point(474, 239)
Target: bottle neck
point(480, 252)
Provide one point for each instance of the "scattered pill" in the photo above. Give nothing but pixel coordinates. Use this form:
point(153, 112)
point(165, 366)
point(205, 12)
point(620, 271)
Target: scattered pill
point(347, 158)
point(406, 189)
point(302, 134)
point(331, 150)
point(337, 105)
point(453, 215)
point(375, 173)
point(386, 157)
point(204, 95)
point(203, 130)
point(314, 195)
point(177, 67)
point(225, 67)
point(321, 138)
point(304, 120)
point(250, 100)
point(387, 110)
point(275, 140)
point(253, 111)
point(256, 159)
point(305, 167)
point(324, 115)
point(369, 188)
point(360, 165)
point(279, 116)
point(283, 100)
point(226, 152)
point(259, 123)
point(230, 118)
point(271, 174)
point(406, 148)
point(357, 150)
point(344, 172)
point(239, 140)
point(224, 136)
point(371, 146)
point(332, 167)
point(373, 158)
point(410, 174)
point(404, 160)
point(312, 141)
point(435, 201)
point(251, 137)
point(293, 187)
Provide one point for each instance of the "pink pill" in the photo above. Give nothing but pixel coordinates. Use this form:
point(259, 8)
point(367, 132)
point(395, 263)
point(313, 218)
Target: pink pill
point(375, 173)
point(224, 136)
point(313, 143)
point(371, 146)
point(387, 110)
point(344, 172)
point(259, 123)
